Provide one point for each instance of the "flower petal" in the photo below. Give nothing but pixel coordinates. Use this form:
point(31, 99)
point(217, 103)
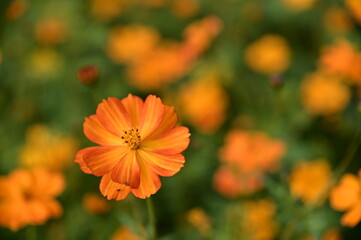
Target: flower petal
point(151, 116)
point(101, 160)
point(134, 106)
point(173, 141)
point(162, 165)
point(79, 159)
point(149, 181)
point(113, 115)
point(127, 170)
point(95, 131)
point(353, 216)
point(113, 190)
point(169, 121)
point(346, 193)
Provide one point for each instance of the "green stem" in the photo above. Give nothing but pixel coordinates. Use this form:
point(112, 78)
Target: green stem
point(31, 233)
point(152, 221)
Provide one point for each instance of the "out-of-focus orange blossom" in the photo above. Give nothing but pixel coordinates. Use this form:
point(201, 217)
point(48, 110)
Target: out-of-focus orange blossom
point(95, 204)
point(329, 234)
point(28, 197)
point(184, 8)
point(16, 9)
point(309, 180)
point(50, 31)
point(243, 165)
point(200, 220)
point(125, 233)
point(324, 94)
point(270, 54)
point(43, 148)
point(346, 196)
point(204, 103)
point(106, 10)
point(298, 5)
point(336, 19)
point(139, 141)
point(355, 8)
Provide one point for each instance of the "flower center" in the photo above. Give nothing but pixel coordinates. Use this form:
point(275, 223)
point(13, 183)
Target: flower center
point(131, 138)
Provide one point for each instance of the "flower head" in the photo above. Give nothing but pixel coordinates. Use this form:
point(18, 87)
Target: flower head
point(139, 141)
point(27, 197)
point(346, 196)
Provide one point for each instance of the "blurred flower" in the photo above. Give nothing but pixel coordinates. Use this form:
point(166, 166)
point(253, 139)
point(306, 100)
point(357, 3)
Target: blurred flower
point(336, 19)
point(106, 10)
point(258, 220)
point(330, 234)
point(88, 75)
point(50, 31)
point(346, 196)
point(43, 63)
point(243, 165)
point(231, 183)
point(324, 94)
point(95, 204)
point(309, 180)
point(154, 3)
point(298, 5)
point(124, 233)
point(199, 219)
point(342, 59)
point(184, 8)
point(46, 149)
point(204, 103)
point(355, 7)
point(252, 11)
point(27, 197)
point(268, 55)
point(130, 43)
point(15, 10)
point(139, 142)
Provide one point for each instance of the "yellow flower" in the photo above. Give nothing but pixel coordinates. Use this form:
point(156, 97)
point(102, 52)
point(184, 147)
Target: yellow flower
point(309, 180)
point(268, 55)
point(204, 103)
point(46, 149)
point(324, 94)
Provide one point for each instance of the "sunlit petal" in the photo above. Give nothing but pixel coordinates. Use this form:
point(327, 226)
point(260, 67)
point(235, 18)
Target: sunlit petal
point(127, 170)
point(113, 190)
point(134, 106)
point(97, 133)
point(151, 116)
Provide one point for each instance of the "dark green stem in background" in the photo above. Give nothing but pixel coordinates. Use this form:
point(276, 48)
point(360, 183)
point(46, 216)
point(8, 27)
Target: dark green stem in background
point(152, 231)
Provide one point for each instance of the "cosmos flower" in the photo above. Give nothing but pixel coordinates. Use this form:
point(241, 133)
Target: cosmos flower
point(139, 142)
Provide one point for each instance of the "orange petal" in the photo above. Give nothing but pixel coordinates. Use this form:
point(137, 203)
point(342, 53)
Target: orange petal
point(149, 181)
point(162, 165)
point(50, 184)
point(173, 141)
point(151, 116)
point(169, 121)
point(113, 190)
point(127, 171)
point(101, 160)
point(353, 216)
point(113, 115)
point(79, 159)
point(97, 133)
point(346, 193)
point(134, 106)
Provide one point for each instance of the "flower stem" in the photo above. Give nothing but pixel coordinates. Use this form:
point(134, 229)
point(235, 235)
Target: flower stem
point(152, 221)
point(31, 233)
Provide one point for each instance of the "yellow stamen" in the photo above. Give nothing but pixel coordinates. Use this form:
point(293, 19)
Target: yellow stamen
point(132, 138)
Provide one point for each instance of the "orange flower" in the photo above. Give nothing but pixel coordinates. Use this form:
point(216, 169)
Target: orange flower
point(243, 165)
point(94, 203)
point(139, 142)
point(355, 7)
point(268, 55)
point(309, 180)
point(298, 5)
point(204, 103)
point(16, 9)
point(124, 233)
point(346, 196)
point(336, 19)
point(50, 31)
point(44, 148)
point(199, 219)
point(324, 94)
point(106, 10)
point(27, 197)
point(184, 8)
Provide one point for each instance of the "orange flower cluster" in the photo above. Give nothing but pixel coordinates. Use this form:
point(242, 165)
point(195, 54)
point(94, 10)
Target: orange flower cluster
point(46, 149)
point(203, 103)
point(152, 62)
point(342, 59)
point(27, 197)
point(309, 180)
point(324, 94)
point(243, 164)
point(268, 55)
point(139, 141)
point(346, 196)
